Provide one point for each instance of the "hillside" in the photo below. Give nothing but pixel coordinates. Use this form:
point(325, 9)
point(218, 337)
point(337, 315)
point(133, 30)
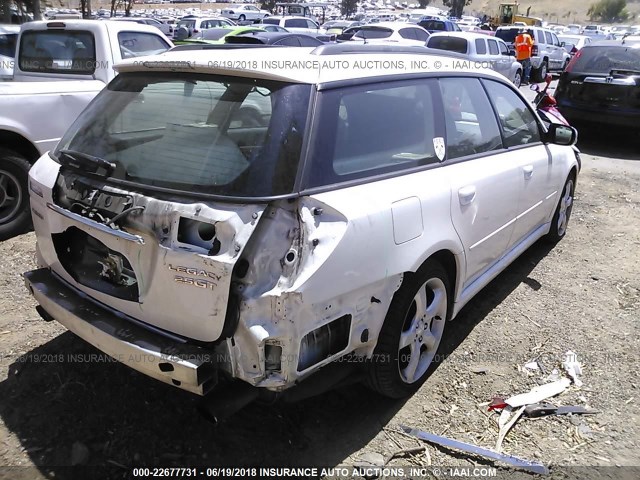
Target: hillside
point(552, 11)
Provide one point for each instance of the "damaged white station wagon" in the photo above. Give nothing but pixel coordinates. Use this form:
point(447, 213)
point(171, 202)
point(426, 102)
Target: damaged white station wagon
point(258, 217)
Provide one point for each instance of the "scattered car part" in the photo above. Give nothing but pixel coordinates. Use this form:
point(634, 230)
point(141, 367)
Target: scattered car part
point(515, 462)
point(543, 409)
point(539, 393)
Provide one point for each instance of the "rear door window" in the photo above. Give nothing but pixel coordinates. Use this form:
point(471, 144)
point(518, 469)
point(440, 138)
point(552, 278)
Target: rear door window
point(481, 46)
point(548, 37)
point(471, 126)
point(369, 130)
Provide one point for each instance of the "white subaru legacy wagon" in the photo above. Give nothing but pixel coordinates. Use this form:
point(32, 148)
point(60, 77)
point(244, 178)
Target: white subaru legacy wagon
point(226, 224)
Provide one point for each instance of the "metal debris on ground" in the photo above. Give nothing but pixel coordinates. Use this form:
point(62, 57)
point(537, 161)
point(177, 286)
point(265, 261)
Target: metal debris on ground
point(515, 462)
point(543, 409)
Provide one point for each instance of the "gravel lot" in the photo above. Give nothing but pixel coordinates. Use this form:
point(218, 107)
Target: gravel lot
point(583, 295)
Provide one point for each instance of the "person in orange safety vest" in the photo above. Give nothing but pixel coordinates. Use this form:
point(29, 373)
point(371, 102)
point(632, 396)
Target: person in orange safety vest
point(524, 47)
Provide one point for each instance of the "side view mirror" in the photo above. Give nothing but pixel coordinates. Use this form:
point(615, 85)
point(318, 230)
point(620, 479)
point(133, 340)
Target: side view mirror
point(561, 134)
point(562, 44)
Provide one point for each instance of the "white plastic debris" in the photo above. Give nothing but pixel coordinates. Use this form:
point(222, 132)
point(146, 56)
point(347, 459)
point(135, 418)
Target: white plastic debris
point(554, 376)
point(539, 393)
point(572, 367)
point(532, 365)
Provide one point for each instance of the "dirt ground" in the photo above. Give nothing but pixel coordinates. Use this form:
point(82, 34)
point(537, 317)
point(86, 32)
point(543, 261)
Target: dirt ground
point(583, 295)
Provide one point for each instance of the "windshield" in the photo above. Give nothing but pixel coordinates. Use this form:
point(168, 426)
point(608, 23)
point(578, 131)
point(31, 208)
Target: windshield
point(196, 133)
point(603, 59)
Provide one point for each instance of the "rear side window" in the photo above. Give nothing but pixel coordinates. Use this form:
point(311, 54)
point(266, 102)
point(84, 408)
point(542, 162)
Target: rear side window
point(421, 34)
point(595, 59)
point(271, 21)
point(366, 131)
point(470, 124)
point(481, 46)
point(60, 51)
point(493, 47)
point(407, 33)
point(138, 44)
point(517, 122)
point(452, 44)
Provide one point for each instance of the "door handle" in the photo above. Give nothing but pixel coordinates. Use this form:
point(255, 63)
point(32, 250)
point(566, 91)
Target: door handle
point(528, 171)
point(467, 194)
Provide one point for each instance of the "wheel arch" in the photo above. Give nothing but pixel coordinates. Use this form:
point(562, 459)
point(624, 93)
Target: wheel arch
point(452, 264)
point(19, 144)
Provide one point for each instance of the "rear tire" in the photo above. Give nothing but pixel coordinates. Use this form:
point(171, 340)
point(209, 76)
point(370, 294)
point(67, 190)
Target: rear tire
point(411, 333)
point(541, 73)
point(560, 220)
point(517, 79)
point(242, 18)
point(15, 216)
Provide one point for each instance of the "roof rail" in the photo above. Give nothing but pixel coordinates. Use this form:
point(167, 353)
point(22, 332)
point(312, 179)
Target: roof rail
point(352, 47)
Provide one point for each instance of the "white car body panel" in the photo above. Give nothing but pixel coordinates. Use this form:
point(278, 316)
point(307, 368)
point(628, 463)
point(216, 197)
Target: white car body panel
point(342, 250)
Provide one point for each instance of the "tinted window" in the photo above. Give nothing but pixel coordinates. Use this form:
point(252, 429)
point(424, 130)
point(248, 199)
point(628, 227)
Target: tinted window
point(518, 124)
point(373, 33)
point(271, 21)
point(493, 47)
point(481, 46)
point(434, 25)
point(421, 34)
point(367, 131)
point(288, 41)
point(138, 44)
point(58, 52)
point(197, 133)
point(603, 59)
point(452, 44)
point(295, 23)
point(407, 33)
point(8, 44)
point(307, 41)
point(469, 120)
point(507, 34)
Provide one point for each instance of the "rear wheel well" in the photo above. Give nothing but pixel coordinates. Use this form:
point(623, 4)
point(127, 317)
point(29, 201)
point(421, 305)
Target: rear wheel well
point(448, 261)
point(17, 143)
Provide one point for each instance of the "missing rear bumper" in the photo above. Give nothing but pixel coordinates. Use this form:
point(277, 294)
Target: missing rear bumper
point(168, 359)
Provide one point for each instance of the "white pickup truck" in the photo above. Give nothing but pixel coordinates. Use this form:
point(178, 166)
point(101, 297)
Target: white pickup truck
point(60, 66)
